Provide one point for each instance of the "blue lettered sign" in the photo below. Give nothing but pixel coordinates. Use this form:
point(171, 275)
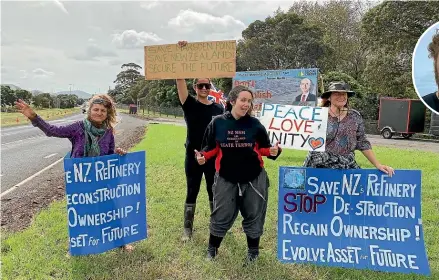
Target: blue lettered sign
point(106, 202)
point(359, 219)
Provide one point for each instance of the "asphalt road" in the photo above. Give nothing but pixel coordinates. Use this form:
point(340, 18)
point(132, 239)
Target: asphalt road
point(25, 150)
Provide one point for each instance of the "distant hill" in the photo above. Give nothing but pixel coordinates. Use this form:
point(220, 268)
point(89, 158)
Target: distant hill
point(79, 93)
point(36, 92)
point(13, 87)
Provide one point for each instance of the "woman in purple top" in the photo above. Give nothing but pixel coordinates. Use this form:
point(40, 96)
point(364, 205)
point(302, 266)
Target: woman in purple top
point(93, 136)
point(345, 134)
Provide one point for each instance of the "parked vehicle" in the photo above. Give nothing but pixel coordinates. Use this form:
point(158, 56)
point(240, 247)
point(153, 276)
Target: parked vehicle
point(434, 124)
point(403, 117)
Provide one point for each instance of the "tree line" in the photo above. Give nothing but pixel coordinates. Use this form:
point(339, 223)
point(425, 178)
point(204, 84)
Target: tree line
point(368, 46)
point(41, 101)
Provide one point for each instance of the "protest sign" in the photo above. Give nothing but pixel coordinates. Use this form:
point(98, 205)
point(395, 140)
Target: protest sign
point(280, 86)
point(106, 202)
point(295, 127)
point(360, 219)
point(214, 59)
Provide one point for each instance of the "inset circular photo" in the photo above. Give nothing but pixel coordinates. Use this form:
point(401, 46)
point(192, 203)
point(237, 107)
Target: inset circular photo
point(425, 68)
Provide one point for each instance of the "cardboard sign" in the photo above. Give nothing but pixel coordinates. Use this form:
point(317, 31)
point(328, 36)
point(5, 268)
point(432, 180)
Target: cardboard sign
point(215, 59)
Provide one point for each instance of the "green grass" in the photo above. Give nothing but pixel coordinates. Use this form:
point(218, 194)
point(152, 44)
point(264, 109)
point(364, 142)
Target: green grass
point(39, 252)
point(10, 119)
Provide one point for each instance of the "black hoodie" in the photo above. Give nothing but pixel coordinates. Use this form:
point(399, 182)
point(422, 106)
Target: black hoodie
point(238, 146)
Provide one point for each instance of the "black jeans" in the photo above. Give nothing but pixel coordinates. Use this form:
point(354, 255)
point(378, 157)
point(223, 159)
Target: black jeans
point(194, 173)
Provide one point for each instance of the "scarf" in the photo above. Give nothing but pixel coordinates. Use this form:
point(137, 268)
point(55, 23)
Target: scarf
point(91, 148)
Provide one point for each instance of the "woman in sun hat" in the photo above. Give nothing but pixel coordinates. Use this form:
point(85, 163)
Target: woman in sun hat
point(345, 134)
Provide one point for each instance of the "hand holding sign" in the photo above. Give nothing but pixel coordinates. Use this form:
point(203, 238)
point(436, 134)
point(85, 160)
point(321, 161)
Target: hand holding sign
point(200, 158)
point(386, 169)
point(274, 150)
point(120, 151)
point(182, 43)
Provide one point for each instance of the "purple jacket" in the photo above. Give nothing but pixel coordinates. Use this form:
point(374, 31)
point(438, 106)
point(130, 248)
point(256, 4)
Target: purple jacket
point(76, 135)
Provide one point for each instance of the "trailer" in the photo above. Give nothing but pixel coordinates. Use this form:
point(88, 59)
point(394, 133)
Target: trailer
point(434, 124)
point(403, 117)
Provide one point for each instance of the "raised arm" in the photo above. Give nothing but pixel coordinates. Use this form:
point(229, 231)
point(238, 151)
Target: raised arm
point(181, 83)
point(48, 129)
point(182, 90)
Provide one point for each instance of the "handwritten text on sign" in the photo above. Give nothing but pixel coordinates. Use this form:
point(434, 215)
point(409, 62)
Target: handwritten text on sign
point(201, 59)
point(106, 203)
point(351, 218)
point(296, 127)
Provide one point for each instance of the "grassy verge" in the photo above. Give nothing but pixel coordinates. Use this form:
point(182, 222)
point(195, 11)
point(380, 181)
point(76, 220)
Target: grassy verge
point(11, 119)
point(40, 251)
point(151, 114)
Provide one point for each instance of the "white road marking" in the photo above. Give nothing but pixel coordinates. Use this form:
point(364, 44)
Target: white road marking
point(51, 155)
point(18, 141)
point(29, 178)
point(36, 174)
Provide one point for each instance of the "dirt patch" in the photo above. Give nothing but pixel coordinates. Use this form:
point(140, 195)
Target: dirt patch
point(19, 207)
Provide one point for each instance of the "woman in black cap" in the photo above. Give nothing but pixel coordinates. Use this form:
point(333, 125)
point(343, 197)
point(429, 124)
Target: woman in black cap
point(345, 134)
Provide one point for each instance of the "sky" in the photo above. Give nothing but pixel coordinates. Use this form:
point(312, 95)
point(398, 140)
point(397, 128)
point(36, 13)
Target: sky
point(423, 68)
point(54, 45)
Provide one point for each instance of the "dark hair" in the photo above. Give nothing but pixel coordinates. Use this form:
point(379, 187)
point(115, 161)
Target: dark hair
point(326, 103)
point(196, 80)
point(233, 96)
point(433, 49)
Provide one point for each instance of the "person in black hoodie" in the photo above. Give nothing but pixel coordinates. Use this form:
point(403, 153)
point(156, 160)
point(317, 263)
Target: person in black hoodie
point(238, 141)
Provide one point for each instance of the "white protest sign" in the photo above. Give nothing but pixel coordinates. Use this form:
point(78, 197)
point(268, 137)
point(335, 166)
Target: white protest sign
point(295, 127)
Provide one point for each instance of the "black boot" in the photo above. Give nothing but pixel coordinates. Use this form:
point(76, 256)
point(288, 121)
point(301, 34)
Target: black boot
point(253, 250)
point(189, 213)
point(211, 206)
point(214, 244)
point(252, 254)
point(211, 252)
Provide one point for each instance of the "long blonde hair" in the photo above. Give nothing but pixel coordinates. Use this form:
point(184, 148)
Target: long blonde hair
point(108, 103)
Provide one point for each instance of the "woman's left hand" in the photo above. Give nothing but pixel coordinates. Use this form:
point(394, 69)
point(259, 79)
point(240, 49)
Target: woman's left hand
point(386, 169)
point(120, 151)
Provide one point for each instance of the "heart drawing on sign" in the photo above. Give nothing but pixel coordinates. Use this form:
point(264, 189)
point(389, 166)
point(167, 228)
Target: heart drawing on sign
point(316, 143)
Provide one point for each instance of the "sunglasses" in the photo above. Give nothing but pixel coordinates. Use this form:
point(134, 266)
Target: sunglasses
point(206, 86)
point(100, 101)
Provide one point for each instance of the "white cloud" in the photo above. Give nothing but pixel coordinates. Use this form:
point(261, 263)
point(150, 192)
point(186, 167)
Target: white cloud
point(95, 28)
point(115, 62)
point(189, 21)
point(149, 5)
point(60, 5)
point(92, 52)
point(41, 73)
point(23, 74)
point(95, 31)
point(130, 39)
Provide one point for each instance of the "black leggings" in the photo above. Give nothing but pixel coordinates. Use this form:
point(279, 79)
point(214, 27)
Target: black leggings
point(194, 173)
